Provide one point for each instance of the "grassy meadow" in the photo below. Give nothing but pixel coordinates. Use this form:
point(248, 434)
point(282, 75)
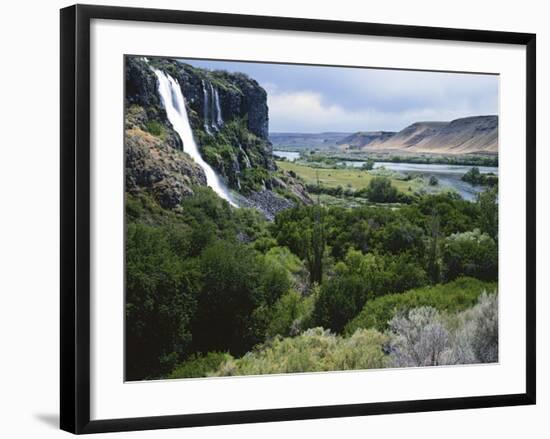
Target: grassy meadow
point(348, 177)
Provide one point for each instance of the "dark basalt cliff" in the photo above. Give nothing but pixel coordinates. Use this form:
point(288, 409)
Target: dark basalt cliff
point(229, 116)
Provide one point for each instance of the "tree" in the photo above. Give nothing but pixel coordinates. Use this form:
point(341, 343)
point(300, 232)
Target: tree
point(361, 278)
point(316, 249)
point(473, 176)
point(488, 212)
point(470, 254)
point(434, 262)
point(290, 314)
point(161, 292)
point(399, 236)
point(380, 190)
point(368, 165)
point(230, 293)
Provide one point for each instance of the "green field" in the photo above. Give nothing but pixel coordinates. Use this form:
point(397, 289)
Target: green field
point(349, 177)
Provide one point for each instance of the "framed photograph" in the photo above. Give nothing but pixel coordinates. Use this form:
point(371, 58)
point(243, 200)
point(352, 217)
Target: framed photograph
point(268, 218)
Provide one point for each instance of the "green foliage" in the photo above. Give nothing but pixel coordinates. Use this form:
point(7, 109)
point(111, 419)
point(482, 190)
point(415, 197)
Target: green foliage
point(315, 350)
point(209, 278)
point(470, 254)
point(475, 177)
point(302, 231)
point(274, 278)
point(155, 128)
point(454, 214)
point(433, 181)
point(197, 366)
point(488, 212)
point(290, 314)
point(207, 283)
point(452, 297)
point(161, 291)
point(230, 293)
point(426, 337)
point(361, 278)
point(235, 145)
point(380, 190)
point(398, 236)
point(253, 179)
point(368, 165)
point(472, 176)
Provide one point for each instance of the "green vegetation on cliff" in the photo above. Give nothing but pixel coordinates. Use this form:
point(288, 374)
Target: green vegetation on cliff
point(229, 118)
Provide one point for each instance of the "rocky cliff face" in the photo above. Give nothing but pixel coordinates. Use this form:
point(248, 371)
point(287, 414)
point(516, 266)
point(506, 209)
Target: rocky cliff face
point(229, 117)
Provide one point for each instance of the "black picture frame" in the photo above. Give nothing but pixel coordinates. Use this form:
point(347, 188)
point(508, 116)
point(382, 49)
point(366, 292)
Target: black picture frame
point(75, 217)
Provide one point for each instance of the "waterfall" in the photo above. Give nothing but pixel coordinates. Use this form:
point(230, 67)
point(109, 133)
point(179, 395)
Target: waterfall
point(205, 105)
point(212, 112)
point(174, 103)
point(219, 119)
point(213, 118)
point(245, 156)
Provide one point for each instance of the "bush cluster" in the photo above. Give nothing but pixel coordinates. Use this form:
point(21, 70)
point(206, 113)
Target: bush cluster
point(216, 290)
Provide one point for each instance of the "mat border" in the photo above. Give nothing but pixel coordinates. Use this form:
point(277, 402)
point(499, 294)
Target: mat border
point(75, 217)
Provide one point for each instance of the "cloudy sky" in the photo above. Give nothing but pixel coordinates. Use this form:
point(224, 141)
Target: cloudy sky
point(314, 99)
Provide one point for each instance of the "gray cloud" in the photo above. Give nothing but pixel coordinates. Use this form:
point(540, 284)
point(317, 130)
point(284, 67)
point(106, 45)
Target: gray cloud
point(312, 98)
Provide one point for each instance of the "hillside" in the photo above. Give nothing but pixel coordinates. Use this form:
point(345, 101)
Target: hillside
point(362, 139)
point(478, 134)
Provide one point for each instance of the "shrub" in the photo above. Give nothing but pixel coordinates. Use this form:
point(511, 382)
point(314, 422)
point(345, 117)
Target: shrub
point(473, 176)
point(315, 350)
point(488, 208)
point(418, 338)
point(470, 254)
point(452, 297)
point(477, 337)
point(368, 165)
point(290, 314)
point(455, 214)
point(230, 293)
point(380, 190)
point(291, 265)
point(361, 278)
point(398, 237)
point(197, 366)
point(155, 128)
point(425, 337)
point(161, 292)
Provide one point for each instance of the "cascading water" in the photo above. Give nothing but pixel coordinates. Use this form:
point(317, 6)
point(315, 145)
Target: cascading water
point(212, 113)
point(245, 157)
point(174, 103)
point(213, 117)
point(219, 119)
point(206, 108)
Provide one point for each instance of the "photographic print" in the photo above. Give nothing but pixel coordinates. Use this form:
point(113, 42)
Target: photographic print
point(288, 218)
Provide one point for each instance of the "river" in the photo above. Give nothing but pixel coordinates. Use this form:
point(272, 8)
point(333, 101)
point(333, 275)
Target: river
point(447, 175)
